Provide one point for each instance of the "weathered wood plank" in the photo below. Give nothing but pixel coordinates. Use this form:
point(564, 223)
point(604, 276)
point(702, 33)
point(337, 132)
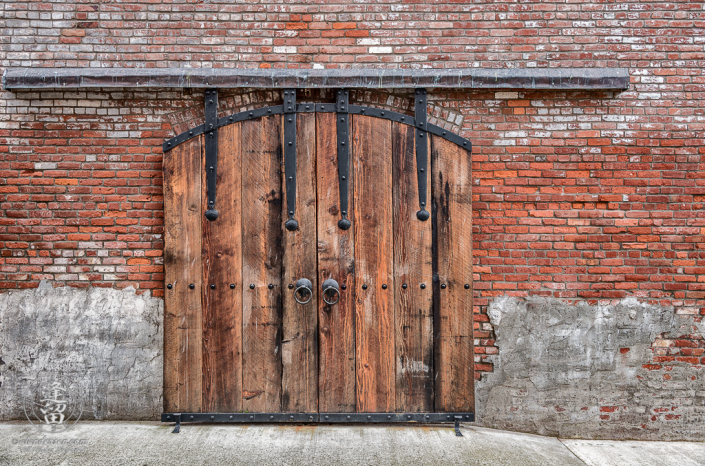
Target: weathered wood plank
point(261, 153)
point(336, 261)
point(300, 322)
point(452, 217)
point(413, 266)
point(222, 267)
point(182, 260)
point(374, 306)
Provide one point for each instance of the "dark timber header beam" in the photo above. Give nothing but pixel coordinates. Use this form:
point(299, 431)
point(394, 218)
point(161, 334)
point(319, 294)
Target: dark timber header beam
point(465, 78)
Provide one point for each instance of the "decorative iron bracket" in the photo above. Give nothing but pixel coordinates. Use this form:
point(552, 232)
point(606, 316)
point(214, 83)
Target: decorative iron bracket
point(343, 141)
point(290, 156)
point(421, 151)
point(211, 130)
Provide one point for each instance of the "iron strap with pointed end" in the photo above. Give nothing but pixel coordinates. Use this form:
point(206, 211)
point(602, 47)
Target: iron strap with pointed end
point(421, 151)
point(343, 140)
point(290, 157)
point(211, 130)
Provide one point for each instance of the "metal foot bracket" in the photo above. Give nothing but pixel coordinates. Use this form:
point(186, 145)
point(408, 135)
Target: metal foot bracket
point(421, 151)
point(343, 141)
point(177, 427)
point(211, 130)
point(290, 157)
point(457, 426)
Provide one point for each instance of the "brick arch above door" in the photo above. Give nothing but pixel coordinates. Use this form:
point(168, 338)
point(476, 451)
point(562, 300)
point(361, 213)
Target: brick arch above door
point(240, 100)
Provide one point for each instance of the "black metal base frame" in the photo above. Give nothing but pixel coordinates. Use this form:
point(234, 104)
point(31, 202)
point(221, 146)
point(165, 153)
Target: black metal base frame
point(333, 418)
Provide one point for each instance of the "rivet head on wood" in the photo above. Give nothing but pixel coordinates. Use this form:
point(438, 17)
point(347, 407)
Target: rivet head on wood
point(364, 287)
point(232, 286)
point(192, 286)
point(270, 286)
point(252, 286)
point(169, 286)
point(212, 286)
point(344, 287)
point(443, 286)
point(423, 286)
point(467, 286)
point(423, 215)
point(384, 287)
point(404, 286)
point(291, 286)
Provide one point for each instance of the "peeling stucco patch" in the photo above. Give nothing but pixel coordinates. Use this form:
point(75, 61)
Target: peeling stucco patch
point(577, 370)
point(107, 341)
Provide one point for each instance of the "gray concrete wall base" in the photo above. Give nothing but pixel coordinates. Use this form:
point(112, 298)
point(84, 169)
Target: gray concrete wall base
point(583, 371)
point(107, 343)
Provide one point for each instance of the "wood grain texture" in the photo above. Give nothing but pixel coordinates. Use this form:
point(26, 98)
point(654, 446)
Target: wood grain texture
point(336, 261)
point(183, 313)
point(374, 307)
point(300, 322)
point(261, 153)
point(222, 266)
point(413, 265)
point(452, 216)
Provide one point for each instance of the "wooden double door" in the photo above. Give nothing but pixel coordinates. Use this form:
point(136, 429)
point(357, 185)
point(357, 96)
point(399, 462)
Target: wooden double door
point(399, 339)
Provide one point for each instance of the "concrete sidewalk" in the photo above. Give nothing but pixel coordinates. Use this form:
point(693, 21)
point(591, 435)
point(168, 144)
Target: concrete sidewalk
point(152, 443)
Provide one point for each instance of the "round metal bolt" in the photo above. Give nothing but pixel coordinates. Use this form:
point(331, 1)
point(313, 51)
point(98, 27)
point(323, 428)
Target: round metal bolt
point(291, 212)
point(191, 417)
point(467, 286)
point(443, 286)
point(271, 417)
point(364, 287)
point(231, 118)
point(326, 417)
point(270, 286)
point(307, 107)
point(423, 286)
point(168, 417)
point(342, 143)
point(169, 144)
point(382, 113)
point(408, 417)
point(212, 417)
point(404, 286)
point(344, 287)
point(291, 286)
point(252, 417)
point(347, 417)
point(190, 133)
point(428, 417)
point(344, 178)
point(252, 286)
point(232, 286)
point(402, 118)
point(169, 286)
point(422, 170)
point(290, 120)
point(251, 113)
point(465, 143)
point(369, 417)
point(192, 286)
point(290, 143)
point(384, 287)
point(389, 418)
point(345, 212)
point(212, 286)
point(269, 110)
point(210, 101)
point(291, 178)
point(230, 417)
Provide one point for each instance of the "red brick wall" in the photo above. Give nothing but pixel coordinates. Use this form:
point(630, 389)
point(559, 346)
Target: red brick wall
point(578, 195)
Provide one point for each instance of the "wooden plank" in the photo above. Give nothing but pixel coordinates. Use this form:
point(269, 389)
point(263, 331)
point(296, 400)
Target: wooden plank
point(413, 266)
point(182, 261)
point(452, 216)
point(336, 261)
point(222, 262)
point(300, 322)
point(261, 153)
point(374, 306)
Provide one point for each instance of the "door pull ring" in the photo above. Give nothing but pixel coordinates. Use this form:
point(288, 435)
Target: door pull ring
point(304, 291)
point(331, 292)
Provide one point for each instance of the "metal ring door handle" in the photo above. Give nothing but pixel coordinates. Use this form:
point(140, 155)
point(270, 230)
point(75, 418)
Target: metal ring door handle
point(304, 288)
point(331, 291)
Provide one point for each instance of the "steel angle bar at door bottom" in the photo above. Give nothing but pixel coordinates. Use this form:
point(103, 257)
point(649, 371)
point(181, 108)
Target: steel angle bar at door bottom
point(319, 417)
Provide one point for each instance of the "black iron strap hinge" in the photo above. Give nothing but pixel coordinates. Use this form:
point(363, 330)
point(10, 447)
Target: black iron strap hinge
point(343, 141)
point(211, 132)
point(290, 157)
point(421, 151)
